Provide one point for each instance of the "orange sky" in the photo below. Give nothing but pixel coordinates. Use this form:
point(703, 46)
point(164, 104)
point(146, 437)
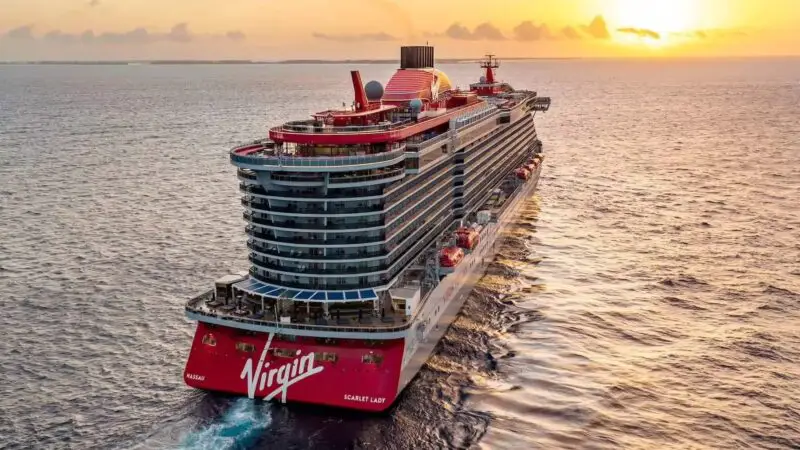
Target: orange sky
point(271, 29)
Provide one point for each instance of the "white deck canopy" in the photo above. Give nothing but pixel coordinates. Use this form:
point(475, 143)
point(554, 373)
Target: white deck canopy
point(255, 287)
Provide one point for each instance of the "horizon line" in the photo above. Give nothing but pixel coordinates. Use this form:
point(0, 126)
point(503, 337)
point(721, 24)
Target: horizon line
point(233, 61)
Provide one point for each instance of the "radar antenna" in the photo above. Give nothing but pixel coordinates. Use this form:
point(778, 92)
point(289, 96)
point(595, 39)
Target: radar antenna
point(490, 63)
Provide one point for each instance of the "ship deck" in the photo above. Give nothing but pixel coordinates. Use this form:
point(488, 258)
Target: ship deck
point(308, 316)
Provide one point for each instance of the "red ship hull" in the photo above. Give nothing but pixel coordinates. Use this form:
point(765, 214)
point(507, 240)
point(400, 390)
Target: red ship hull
point(354, 374)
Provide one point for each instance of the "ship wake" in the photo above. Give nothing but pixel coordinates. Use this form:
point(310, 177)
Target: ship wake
point(239, 428)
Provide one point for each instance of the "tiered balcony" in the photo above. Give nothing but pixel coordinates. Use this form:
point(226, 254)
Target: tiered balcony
point(273, 157)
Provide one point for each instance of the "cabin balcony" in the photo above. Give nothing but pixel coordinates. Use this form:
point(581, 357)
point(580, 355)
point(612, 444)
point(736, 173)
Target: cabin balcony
point(314, 269)
point(362, 179)
point(314, 195)
point(317, 255)
point(314, 240)
point(316, 283)
point(317, 225)
point(311, 209)
point(416, 145)
point(245, 174)
point(270, 156)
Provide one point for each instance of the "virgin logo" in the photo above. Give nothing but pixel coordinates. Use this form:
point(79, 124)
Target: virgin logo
point(262, 379)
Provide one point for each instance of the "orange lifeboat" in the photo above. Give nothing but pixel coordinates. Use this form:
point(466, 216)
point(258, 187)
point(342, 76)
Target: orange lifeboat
point(467, 238)
point(451, 256)
point(522, 173)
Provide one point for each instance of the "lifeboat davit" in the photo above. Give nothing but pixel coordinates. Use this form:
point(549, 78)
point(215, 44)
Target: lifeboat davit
point(450, 256)
point(467, 238)
point(523, 173)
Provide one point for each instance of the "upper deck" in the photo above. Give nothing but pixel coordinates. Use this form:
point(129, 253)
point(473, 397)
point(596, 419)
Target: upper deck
point(415, 101)
point(314, 131)
point(268, 155)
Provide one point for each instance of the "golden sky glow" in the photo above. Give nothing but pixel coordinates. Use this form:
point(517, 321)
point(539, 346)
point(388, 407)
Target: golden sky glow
point(271, 29)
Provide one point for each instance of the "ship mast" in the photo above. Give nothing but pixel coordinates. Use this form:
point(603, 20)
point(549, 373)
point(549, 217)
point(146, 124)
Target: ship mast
point(490, 63)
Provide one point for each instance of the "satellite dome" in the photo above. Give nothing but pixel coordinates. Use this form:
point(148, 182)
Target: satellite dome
point(444, 81)
point(416, 105)
point(374, 90)
point(483, 79)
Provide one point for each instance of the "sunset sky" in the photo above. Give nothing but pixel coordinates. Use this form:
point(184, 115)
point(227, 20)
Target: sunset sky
point(272, 29)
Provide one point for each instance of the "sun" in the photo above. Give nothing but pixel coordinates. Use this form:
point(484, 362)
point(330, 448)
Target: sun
point(661, 16)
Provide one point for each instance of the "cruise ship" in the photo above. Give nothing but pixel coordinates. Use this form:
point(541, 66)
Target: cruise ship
point(367, 229)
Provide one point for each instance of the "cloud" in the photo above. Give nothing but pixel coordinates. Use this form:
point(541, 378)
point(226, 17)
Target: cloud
point(380, 37)
point(235, 35)
point(488, 32)
point(458, 31)
point(135, 36)
point(710, 33)
point(483, 32)
point(179, 33)
point(597, 28)
point(23, 32)
point(58, 36)
point(641, 32)
point(570, 33)
point(528, 31)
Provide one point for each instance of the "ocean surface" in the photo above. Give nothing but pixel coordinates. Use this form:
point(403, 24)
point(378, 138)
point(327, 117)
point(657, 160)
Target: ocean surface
point(647, 298)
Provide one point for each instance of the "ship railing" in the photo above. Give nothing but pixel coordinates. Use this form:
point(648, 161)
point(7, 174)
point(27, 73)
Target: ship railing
point(338, 179)
point(275, 279)
point(305, 269)
point(439, 138)
point(247, 174)
point(313, 177)
point(296, 225)
point(474, 118)
point(332, 256)
point(309, 126)
point(307, 209)
point(338, 195)
point(332, 210)
point(264, 144)
point(349, 240)
point(377, 325)
point(396, 152)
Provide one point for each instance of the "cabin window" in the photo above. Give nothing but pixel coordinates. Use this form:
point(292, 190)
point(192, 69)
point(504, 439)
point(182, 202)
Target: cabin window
point(283, 352)
point(372, 358)
point(209, 340)
point(325, 357)
point(245, 347)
